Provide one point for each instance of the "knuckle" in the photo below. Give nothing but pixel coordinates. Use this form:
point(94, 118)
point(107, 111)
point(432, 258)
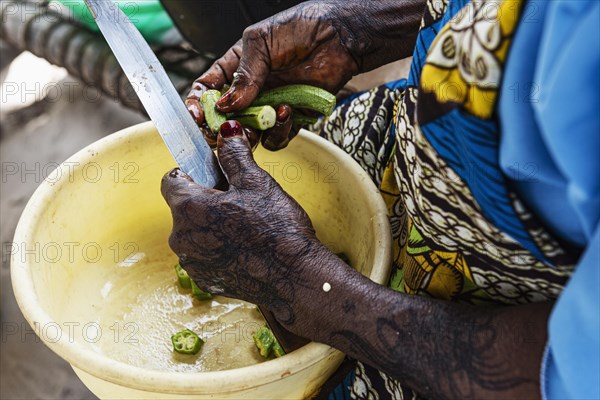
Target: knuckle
point(236, 157)
point(256, 39)
point(182, 203)
point(178, 224)
point(175, 241)
point(175, 201)
point(251, 33)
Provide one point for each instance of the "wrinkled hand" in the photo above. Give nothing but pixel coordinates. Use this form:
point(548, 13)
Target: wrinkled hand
point(245, 242)
point(299, 45)
point(321, 43)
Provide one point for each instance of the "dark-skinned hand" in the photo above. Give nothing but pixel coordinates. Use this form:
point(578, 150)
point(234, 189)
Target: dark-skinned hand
point(321, 43)
point(254, 242)
point(243, 242)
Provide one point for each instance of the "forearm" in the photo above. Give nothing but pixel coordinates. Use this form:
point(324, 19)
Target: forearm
point(378, 32)
point(440, 349)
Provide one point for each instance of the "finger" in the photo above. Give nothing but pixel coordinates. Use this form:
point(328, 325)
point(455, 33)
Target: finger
point(293, 132)
point(176, 186)
point(235, 156)
point(192, 101)
point(222, 70)
point(196, 111)
point(250, 76)
point(253, 136)
point(198, 88)
point(278, 137)
point(209, 136)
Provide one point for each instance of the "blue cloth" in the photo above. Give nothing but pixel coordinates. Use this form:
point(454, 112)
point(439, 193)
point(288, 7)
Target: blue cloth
point(427, 35)
point(571, 367)
point(342, 391)
point(470, 146)
point(550, 150)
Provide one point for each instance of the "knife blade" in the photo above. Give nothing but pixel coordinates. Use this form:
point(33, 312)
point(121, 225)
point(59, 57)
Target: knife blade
point(170, 116)
point(157, 94)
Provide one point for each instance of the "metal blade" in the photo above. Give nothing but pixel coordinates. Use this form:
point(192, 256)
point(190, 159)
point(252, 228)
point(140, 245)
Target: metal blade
point(169, 114)
point(157, 94)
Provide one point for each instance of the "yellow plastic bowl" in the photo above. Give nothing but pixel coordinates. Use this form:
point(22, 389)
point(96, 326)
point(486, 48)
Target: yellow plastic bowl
point(101, 210)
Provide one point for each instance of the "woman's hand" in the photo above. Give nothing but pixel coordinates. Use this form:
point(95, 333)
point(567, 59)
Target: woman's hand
point(254, 242)
point(247, 242)
point(321, 43)
point(300, 45)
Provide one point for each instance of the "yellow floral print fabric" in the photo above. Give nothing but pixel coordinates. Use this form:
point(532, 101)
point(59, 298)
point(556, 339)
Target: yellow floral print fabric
point(464, 62)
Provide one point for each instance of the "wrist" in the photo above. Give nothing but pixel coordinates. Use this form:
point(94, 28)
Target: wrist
point(326, 289)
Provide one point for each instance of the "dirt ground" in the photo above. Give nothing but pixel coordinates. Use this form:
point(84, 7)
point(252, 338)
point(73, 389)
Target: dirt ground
point(35, 136)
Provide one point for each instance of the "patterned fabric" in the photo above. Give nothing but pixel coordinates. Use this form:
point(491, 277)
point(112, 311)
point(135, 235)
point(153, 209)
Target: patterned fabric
point(360, 127)
point(431, 144)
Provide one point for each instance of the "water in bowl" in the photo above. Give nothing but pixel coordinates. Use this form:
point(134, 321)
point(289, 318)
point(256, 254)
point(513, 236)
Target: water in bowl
point(139, 304)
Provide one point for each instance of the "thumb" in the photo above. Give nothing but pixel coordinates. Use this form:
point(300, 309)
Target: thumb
point(176, 187)
point(235, 156)
point(251, 73)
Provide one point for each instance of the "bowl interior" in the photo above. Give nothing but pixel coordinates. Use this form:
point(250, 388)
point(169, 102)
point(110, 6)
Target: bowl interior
point(100, 282)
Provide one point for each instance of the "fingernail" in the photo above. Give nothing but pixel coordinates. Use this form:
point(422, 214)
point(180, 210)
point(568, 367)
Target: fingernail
point(283, 112)
point(174, 173)
point(231, 128)
point(195, 111)
point(197, 90)
point(226, 98)
point(197, 85)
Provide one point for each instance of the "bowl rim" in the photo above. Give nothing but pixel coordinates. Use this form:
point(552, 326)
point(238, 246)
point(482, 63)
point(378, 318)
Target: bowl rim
point(120, 373)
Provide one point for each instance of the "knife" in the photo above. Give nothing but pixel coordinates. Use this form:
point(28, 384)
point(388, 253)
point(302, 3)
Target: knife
point(157, 94)
point(169, 114)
